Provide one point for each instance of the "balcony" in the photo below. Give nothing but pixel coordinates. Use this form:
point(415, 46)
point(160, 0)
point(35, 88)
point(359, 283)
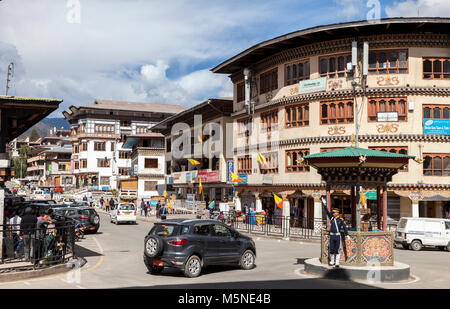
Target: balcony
point(94, 135)
point(35, 168)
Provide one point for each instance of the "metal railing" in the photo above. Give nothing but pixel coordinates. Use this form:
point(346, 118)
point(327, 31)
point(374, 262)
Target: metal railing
point(37, 248)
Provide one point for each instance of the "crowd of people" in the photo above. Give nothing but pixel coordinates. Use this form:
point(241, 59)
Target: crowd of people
point(35, 236)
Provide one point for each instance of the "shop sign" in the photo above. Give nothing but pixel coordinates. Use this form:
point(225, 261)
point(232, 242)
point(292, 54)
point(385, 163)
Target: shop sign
point(188, 177)
point(387, 117)
point(176, 176)
point(267, 179)
point(312, 85)
point(206, 176)
point(230, 169)
point(170, 180)
point(436, 126)
point(371, 195)
point(244, 178)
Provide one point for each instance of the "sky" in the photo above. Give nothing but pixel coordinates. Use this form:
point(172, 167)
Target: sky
point(156, 51)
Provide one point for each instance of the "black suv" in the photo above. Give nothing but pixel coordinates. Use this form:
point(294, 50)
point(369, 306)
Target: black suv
point(190, 245)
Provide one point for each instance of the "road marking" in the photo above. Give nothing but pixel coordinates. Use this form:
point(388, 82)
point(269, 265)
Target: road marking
point(102, 257)
point(27, 283)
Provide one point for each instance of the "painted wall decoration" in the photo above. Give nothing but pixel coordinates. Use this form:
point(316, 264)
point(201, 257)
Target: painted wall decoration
point(336, 130)
point(335, 84)
point(376, 248)
point(387, 81)
point(387, 128)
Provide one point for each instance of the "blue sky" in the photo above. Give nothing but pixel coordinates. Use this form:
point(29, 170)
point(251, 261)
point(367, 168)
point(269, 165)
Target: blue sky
point(155, 51)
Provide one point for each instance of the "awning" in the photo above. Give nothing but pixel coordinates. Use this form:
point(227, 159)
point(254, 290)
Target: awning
point(436, 198)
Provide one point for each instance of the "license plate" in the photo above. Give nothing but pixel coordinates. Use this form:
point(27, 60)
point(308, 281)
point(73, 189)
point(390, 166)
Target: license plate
point(158, 263)
point(127, 213)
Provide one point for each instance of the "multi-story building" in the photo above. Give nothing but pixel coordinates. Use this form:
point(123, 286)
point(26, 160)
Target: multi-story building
point(49, 162)
point(98, 131)
point(147, 177)
point(202, 126)
point(305, 91)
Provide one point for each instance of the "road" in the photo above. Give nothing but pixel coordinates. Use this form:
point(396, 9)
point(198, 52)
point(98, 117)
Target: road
point(114, 260)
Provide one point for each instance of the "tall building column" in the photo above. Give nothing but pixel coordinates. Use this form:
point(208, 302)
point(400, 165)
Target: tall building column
point(286, 213)
point(258, 203)
point(415, 208)
point(317, 214)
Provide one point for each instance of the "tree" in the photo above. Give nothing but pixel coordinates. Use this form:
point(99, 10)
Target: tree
point(34, 135)
point(20, 163)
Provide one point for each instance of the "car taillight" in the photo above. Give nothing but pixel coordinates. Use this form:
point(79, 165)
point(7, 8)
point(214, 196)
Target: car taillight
point(118, 212)
point(177, 242)
point(135, 213)
point(83, 218)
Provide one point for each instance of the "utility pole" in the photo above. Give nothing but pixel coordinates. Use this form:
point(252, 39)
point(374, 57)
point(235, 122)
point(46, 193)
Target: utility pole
point(9, 75)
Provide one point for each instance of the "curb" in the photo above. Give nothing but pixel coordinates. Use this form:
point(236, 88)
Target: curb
point(30, 274)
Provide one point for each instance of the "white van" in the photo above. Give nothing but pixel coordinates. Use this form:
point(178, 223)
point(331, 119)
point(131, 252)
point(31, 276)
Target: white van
point(125, 212)
point(416, 233)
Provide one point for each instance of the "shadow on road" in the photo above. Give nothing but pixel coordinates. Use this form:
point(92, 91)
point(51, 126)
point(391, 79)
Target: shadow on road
point(84, 252)
point(269, 284)
point(173, 272)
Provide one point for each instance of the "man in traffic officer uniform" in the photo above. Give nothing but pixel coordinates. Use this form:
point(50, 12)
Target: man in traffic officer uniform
point(337, 226)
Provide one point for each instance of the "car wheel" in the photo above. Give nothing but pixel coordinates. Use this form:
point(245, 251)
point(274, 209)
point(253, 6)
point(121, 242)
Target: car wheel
point(95, 220)
point(153, 246)
point(406, 247)
point(416, 245)
point(448, 247)
point(193, 267)
point(247, 260)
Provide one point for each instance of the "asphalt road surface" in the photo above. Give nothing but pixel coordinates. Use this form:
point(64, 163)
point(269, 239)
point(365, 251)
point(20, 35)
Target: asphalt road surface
point(115, 260)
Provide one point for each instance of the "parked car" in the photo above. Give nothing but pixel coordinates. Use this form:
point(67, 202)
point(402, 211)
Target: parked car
point(68, 201)
point(21, 192)
point(81, 204)
point(85, 215)
point(124, 212)
point(416, 233)
point(192, 244)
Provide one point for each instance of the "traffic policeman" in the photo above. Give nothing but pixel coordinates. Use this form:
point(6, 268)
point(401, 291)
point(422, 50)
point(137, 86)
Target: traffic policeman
point(337, 226)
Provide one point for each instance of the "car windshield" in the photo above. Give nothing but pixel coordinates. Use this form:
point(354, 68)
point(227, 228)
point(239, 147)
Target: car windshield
point(402, 224)
point(163, 230)
point(126, 207)
point(51, 202)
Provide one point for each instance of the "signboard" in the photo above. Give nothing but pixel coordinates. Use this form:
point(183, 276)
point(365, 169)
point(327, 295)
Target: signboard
point(387, 117)
point(230, 169)
point(176, 176)
point(206, 176)
point(436, 126)
point(188, 177)
point(170, 180)
point(371, 195)
point(312, 85)
point(267, 179)
point(135, 169)
point(244, 178)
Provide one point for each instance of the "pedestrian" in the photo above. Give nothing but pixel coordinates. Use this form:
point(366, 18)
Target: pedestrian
point(143, 208)
point(107, 205)
point(158, 207)
point(112, 204)
point(91, 201)
point(163, 212)
point(85, 198)
point(337, 226)
point(27, 229)
point(147, 209)
point(51, 194)
point(15, 234)
point(101, 202)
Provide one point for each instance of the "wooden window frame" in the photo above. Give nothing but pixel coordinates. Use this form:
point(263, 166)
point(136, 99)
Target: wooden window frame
point(289, 78)
point(441, 107)
point(268, 81)
point(288, 112)
point(336, 73)
point(397, 150)
point(371, 117)
point(152, 165)
point(84, 146)
point(382, 71)
point(444, 172)
point(150, 185)
point(269, 120)
point(124, 171)
point(103, 163)
point(99, 146)
point(124, 154)
point(83, 163)
point(432, 73)
point(76, 165)
point(272, 163)
point(244, 127)
point(240, 92)
point(244, 165)
point(337, 119)
point(296, 167)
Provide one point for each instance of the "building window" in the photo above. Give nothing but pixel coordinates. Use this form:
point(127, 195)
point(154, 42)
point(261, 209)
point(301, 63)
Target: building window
point(292, 157)
point(112, 146)
point(62, 167)
point(124, 154)
point(84, 146)
point(240, 92)
point(399, 150)
point(436, 68)
point(335, 66)
point(271, 166)
point(150, 185)
point(168, 145)
point(436, 164)
point(244, 165)
point(269, 121)
point(104, 181)
point(244, 127)
point(83, 163)
point(150, 163)
point(436, 111)
point(77, 165)
point(75, 148)
point(81, 129)
point(103, 163)
point(104, 129)
point(124, 171)
point(338, 112)
point(141, 130)
point(99, 146)
point(297, 116)
point(268, 81)
point(388, 62)
point(387, 105)
point(296, 72)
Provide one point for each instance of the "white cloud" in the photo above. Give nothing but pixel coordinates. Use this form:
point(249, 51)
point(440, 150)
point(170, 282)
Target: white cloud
point(423, 8)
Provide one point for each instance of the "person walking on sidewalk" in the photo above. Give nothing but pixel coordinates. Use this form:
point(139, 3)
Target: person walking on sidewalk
point(107, 205)
point(163, 212)
point(101, 202)
point(143, 208)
